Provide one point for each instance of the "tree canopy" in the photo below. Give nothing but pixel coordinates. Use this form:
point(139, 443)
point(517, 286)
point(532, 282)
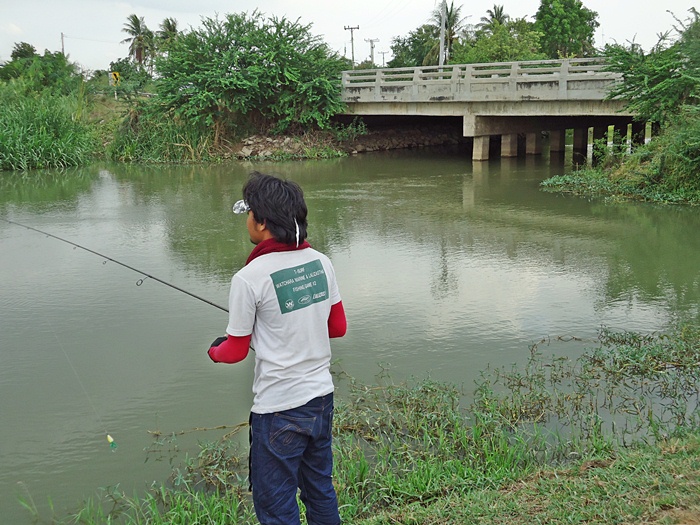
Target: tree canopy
point(513, 40)
point(567, 28)
point(657, 85)
point(494, 18)
point(454, 24)
point(246, 67)
point(411, 50)
point(48, 72)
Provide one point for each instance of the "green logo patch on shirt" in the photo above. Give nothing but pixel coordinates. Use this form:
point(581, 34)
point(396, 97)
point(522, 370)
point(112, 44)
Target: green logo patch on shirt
point(300, 286)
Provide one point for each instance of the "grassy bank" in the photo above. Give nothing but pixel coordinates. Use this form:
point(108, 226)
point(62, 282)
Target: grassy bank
point(612, 436)
point(667, 170)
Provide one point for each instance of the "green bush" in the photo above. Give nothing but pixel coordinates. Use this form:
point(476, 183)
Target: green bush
point(676, 153)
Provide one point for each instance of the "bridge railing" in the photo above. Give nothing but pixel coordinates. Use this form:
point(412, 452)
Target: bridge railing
point(568, 79)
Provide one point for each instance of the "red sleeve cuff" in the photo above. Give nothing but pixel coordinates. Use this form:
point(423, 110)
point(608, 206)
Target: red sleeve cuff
point(233, 350)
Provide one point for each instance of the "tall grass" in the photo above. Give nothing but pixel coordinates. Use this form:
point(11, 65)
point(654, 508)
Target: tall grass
point(42, 130)
point(151, 137)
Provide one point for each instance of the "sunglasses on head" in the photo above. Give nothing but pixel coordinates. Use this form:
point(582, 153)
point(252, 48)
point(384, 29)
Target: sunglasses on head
point(241, 206)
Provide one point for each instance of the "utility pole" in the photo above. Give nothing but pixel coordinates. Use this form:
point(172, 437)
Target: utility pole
point(352, 41)
point(63, 49)
point(383, 53)
point(443, 21)
point(371, 48)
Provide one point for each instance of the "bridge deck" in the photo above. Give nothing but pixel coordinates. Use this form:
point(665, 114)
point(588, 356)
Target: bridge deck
point(570, 79)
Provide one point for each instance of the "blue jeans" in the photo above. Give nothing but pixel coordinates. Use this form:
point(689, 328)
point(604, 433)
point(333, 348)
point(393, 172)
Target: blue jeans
point(290, 450)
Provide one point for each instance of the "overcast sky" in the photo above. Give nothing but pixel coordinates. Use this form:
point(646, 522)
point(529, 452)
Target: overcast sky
point(92, 29)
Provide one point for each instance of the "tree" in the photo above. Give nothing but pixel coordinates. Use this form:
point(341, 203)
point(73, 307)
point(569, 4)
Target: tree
point(246, 68)
point(495, 17)
point(659, 84)
point(567, 28)
point(51, 72)
point(515, 40)
point(454, 24)
point(132, 77)
point(167, 33)
point(410, 51)
point(23, 50)
point(140, 40)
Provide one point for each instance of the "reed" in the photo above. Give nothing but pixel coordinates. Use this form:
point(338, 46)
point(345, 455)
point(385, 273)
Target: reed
point(43, 130)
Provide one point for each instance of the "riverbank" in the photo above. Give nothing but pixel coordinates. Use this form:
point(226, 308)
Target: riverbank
point(663, 171)
point(537, 443)
point(308, 145)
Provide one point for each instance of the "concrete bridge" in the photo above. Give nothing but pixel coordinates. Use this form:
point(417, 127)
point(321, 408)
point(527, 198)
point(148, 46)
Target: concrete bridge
point(498, 100)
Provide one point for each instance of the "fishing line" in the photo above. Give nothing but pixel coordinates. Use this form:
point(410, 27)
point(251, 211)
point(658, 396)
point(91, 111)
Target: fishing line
point(110, 439)
point(138, 283)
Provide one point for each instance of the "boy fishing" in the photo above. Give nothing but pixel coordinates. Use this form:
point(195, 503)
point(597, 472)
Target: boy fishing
point(285, 304)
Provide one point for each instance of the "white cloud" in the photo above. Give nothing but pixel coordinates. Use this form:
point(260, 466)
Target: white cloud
point(12, 29)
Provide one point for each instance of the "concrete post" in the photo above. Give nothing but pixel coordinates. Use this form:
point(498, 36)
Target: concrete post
point(557, 140)
point(564, 80)
point(629, 138)
point(509, 145)
point(533, 143)
point(580, 139)
point(481, 148)
point(378, 86)
point(638, 132)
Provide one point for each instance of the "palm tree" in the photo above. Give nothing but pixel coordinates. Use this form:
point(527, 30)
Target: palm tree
point(454, 24)
point(140, 40)
point(168, 32)
point(495, 17)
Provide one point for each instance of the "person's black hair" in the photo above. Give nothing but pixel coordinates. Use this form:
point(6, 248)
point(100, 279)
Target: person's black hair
point(277, 203)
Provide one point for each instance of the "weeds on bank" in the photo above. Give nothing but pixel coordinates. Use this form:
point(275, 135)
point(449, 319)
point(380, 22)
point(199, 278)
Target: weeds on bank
point(608, 437)
point(663, 171)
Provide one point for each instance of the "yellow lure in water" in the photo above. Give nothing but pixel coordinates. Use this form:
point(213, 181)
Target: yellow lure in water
point(112, 443)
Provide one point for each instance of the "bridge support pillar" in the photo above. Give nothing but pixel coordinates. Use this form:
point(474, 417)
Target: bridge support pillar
point(509, 145)
point(533, 144)
point(638, 132)
point(481, 148)
point(557, 140)
point(601, 133)
point(580, 139)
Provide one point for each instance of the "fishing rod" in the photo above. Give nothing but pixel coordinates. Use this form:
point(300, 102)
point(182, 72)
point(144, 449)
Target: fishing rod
point(138, 283)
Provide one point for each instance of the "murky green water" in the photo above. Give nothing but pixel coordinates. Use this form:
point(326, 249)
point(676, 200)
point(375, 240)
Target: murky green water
point(444, 268)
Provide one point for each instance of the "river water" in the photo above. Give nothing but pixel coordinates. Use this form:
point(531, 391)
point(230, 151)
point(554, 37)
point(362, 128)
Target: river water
point(445, 267)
